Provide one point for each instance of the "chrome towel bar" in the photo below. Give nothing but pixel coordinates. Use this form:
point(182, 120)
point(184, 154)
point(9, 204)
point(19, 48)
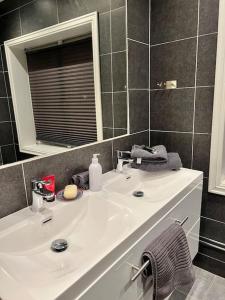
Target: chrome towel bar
point(147, 263)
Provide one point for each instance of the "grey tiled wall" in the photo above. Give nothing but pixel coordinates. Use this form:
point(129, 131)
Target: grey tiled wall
point(17, 19)
point(183, 47)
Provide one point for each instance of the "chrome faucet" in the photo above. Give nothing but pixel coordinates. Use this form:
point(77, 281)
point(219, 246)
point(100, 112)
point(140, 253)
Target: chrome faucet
point(122, 157)
point(40, 194)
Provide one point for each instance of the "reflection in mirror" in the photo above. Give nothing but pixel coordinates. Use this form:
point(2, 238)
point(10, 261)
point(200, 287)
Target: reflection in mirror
point(68, 85)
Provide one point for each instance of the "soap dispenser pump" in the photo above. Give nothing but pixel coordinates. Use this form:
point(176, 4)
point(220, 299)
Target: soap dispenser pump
point(95, 174)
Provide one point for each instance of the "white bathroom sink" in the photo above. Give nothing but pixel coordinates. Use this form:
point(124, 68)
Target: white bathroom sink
point(90, 225)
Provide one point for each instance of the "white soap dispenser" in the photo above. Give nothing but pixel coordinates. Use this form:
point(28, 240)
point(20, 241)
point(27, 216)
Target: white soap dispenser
point(95, 174)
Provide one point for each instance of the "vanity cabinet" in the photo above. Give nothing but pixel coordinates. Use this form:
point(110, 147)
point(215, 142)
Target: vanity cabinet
point(115, 283)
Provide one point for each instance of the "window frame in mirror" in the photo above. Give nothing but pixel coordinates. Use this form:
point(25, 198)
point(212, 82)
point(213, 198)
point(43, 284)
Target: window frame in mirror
point(19, 78)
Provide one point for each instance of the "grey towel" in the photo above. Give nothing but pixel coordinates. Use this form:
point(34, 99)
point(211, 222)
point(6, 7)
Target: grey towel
point(81, 180)
point(171, 264)
point(157, 153)
point(173, 163)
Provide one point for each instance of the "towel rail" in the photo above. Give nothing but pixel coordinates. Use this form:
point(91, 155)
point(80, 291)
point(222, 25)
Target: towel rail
point(147, 263)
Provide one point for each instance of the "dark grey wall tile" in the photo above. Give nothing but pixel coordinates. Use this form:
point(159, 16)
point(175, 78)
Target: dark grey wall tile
point(117, 3)
point(208, 17)
point(119, 131)
point(64, 165)
point(120, 110)
point(4, 58)
point(173, 20)
point(118, 19)
point(126, 143)
point(1, 59)
point(12, 196)
point(204, 109)
point(69, 9)
point(2, 85)
point(139, 110)
point(119, 68)
point(212, 229)
point(201, 153)
point(11, 25)
point(8, 89)
point(104, 33)
point(20, 155)
point(206, 60)
point(9, 5)
point(138, 65)
point(173, 62)
point(172, 110)
point(106, 80)
point(210, 264)
point(4, 110)
point(38, 15)
point(175, 142)
point(138, 20)
point(6, 136)
point(107, 110)
point(8, 154)
point(12, 115)
point(211, 252)
point(107, 133)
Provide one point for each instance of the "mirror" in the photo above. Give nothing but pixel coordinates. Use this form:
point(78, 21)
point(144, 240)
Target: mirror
point(65, 86)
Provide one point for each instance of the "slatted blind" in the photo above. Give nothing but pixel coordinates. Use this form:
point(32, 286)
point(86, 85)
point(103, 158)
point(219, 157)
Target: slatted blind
point(63, 95)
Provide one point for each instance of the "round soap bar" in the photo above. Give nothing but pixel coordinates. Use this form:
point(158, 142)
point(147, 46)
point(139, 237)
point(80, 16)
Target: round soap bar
point(70, 192)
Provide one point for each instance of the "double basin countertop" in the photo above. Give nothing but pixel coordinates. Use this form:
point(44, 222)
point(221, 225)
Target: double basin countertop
point(98, 227)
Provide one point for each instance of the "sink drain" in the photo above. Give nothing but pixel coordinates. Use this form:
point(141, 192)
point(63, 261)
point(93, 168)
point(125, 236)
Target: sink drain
point(59, 245)
point(138, 194)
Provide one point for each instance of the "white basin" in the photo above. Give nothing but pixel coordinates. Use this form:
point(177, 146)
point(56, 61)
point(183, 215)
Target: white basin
point(89, 224)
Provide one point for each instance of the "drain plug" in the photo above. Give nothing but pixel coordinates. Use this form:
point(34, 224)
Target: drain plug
point(59, 245)
point(138, 194)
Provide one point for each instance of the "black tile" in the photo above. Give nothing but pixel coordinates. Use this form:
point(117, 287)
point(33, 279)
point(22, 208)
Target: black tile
point(8, 154)
point(201, 153)
point(211, 251)
point(172, 110)
point(212, 229)
point(173, 62)
point(4, 110)
point(12, 196)
point(6, 136)
point(120, 110)
point(8, 89)
point(68, 164)
point(38, 15)
point(209, 264)
point(2, 85)
point(12, 115)
point(119, 131)
point(107, 110)
point(107, 133)
point(11, 25)
point(119, 71)
point(117, 3)
point(1, 162)
point(9, 5)
point(1, 59)
point(139, 110)
point(118, 19)
point(20, 155)
point(15, 132)
point(126, 143)
point(208, 18)
point(207, 47)
point(213, 205)
point(173, 20)
point(5, 68)
point(204, 109)
point(138, 20)
point(175, 142)
point(69, 9)
point(104, 33)
point(106, 80)
point(138, 65)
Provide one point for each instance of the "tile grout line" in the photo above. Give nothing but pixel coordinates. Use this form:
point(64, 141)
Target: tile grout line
point(195, 90)
point(111, 48)
point(184, 87)
point(184, 39)
point(139, 42)
point(127, 69)
point(149, 75)
point(175, 131)
point(113, 52)
point(57, 11)
point(25, 186)
point(221, 222)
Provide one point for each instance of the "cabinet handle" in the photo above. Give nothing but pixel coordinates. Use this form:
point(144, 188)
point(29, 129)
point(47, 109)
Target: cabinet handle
point(140, 270)
point(181, 223)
